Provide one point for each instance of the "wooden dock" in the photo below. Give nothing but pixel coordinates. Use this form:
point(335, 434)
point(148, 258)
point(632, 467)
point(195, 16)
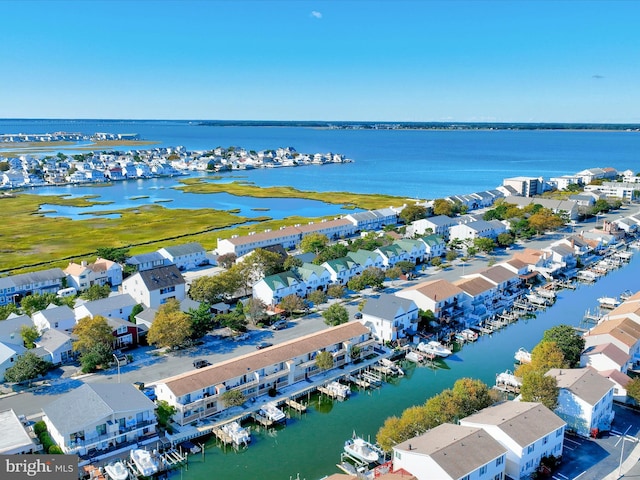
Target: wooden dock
point(261, 420)
point(299, 407)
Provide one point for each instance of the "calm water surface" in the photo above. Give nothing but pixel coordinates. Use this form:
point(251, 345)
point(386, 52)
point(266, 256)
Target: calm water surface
point(311, 445)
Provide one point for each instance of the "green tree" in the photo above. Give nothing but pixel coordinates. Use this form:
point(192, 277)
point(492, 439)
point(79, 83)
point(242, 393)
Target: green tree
point(471, 396)
point(538, 387)
point(451, 255)
point(164, 412)
point(226, 260)
point(233, 321)
point(36, 302)
point(544, 356)
point(292, 262)
point(435, 261)
point(633, 389)
point(317, 297)
point(291, 303)
point(411, 213)
point(442, 207)
point(336, 314)
point(90, 332)
point(29, 335)
point(600, 206)
point(99, 354)
point(324, 360)
point(314, 242)
point(484, 244)
point(27, 367)
point(118, 255)
point(406, 266)
point(171, 327)
point(544, 220)
point(568, 340)
point(4, 166)
point(6, 310)
point(138, 308)
point(214, 289)
point(201, 320)
point(336, 291)
point(393, 273)
point(332, 252)
point(233, 398)
point(505, 239)
point(96, 292)
point(256, 310)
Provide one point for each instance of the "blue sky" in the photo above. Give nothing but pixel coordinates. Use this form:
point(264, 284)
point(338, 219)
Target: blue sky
point(511, 61)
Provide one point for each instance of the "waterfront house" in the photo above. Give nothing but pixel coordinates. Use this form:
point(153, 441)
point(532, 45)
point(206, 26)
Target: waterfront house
point(186, 256)
point(115, 306)
point(506, 282)
point(9, 353)
point(101, 272)
point(198, 393)
point(478, 294)
point(604, 357)
point(585, 400)
point(342, 269)
point(56, 346)
point(333, 229)
point(622, 332)
point(569, 208)
point(273, 288)
point(145, 261)
point(434, 245)
point(620, 381)
point(528, 430)
point(154, 287)
point(590, 174)
point(437, 225)
point(104, 416)
point(14, 439)
point(537, 261)
point(11, 328)
point(563, 259)
point(14, 287)
point(630, 308)
point(59, 317)
point(390, 318)
point(451, 452)
point(442, 297)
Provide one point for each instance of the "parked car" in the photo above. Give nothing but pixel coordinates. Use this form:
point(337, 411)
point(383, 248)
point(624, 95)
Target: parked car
point(279, 325)
point(200, 363)
point(262, 345)
point(241, 336)
point(357, 315)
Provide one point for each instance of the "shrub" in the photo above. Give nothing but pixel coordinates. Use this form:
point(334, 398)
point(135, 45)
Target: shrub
point(55, 450)
point(39, 427)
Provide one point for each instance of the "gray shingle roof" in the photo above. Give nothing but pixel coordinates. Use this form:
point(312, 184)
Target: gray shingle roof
point(387, 306)
point(185, 249)
point(93, 402)
point(584, 383)
point(145, 258)
point(161, 277)
point(98, 307)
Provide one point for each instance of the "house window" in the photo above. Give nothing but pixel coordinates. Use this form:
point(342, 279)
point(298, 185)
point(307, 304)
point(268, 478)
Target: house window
point(483, 470)
point(531, 448)
point(122, 329)
point(499, 461)
point(101, 429)
point(545, 440)
point(558, 432)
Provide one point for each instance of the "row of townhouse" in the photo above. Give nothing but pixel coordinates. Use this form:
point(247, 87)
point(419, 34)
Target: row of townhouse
point(199, 393)
point(510, 439)
point(85, 274)
point(308, 277)
point(506, 440)
point(290, 237)
point(612, 347)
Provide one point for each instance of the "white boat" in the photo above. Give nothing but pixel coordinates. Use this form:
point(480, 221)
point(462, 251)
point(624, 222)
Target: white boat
point(238, 434)
point(144, 462)
point(469, 335)
point(626, 295)
point(338, 389)
point(434, 348)
point(361, 450)
point(272, 412)
point(508, 379)
point(523, 355)
point(414, 357)
point(117, 471)
point(608, 302)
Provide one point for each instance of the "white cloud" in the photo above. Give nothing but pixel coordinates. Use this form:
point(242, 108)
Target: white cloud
point(315, 14)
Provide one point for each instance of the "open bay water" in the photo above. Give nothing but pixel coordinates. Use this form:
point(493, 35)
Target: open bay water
point(310, 445)
point(413, 163)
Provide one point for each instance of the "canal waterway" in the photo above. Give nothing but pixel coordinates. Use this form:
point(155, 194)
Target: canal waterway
point(310, 445)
